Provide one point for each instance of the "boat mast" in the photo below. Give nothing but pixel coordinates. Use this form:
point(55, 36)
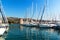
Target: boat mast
point(43, 12)
point(4, 19)
point(38, 15)
point(36, 11)
point(32, 11)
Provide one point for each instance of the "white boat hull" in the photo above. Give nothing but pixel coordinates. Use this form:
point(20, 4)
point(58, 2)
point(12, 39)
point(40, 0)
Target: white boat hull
point(2, 30)
point(47, 25)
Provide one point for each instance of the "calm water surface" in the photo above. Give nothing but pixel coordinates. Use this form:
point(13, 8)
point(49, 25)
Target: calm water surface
point(17, 32)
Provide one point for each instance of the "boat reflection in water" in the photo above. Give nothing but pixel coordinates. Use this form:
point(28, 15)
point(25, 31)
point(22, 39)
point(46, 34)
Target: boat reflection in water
point(31, 33)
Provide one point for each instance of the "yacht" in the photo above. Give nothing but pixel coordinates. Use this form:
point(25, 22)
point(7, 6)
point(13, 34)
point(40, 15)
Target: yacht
point(29, 24)
point(3, 28)
point(3, 21)
point(3, 25)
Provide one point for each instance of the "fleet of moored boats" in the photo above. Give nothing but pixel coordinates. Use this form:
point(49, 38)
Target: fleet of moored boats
point(55, 26)
point(4, 26)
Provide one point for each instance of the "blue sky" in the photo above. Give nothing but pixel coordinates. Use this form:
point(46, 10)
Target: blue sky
point(19, 8)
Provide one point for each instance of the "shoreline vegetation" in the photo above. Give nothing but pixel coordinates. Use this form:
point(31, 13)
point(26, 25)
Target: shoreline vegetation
point(12, 20)
point(15, 20)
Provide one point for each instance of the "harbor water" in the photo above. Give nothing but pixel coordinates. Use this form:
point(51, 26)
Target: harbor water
point(18, 32)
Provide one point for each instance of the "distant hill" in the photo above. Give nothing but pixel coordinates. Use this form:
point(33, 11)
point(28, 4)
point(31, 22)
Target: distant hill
point(13, 20)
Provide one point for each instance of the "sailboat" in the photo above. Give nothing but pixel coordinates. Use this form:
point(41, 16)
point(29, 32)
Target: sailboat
point(45, 25)
point(3, 21)
point(31, 23)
